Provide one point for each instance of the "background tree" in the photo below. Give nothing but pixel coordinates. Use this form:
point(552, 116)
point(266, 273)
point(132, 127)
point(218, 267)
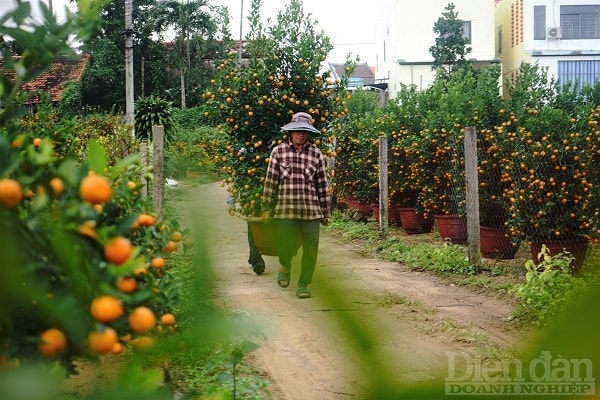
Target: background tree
point(450, 46)
point(200, 34)
point(157, 59)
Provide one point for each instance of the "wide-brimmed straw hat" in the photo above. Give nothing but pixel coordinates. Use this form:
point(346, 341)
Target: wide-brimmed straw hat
point(301, 121)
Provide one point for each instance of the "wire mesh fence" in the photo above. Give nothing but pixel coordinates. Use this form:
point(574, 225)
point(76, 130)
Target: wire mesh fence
point(523, 193)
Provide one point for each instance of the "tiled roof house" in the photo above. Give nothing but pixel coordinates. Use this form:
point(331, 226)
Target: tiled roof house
point(62, 69)
point(362, 75)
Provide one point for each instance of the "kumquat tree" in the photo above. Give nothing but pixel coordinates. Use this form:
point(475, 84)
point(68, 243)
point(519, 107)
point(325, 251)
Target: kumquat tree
point(85, 261)
point(251, 100)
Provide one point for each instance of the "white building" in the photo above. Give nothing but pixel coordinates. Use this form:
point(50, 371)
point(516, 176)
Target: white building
point(404, 35)
point(562, 35)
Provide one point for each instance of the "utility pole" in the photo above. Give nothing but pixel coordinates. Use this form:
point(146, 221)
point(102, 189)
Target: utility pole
point(241, 36)
point(129, 113)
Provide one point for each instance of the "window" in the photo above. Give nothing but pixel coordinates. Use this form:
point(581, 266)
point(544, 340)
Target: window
point(539, 22)
point(580, 22)
point(352, 82)
point(580, 72)
point(467, 31)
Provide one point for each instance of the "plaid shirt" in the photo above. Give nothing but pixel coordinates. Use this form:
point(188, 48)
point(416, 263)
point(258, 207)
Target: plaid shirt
point(296, 184)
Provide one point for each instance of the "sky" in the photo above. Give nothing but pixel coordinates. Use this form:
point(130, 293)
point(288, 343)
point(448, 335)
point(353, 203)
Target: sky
point(349, 24)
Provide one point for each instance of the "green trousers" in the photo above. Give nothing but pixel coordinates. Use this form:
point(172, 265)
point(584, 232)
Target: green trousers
point(293, 233)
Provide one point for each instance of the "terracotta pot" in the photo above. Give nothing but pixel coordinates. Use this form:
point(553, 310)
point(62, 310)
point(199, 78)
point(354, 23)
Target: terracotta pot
point(576, 246)
point(452, 227)
point(393, 215)
point(494, 243)
point(414, 223)
point(362, 207)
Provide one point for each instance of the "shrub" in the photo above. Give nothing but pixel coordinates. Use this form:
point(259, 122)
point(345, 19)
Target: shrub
point(151, 111)
point(548, 290)
point(356, 149)
point(110, 131)
point(55, 228)
point(193, 150)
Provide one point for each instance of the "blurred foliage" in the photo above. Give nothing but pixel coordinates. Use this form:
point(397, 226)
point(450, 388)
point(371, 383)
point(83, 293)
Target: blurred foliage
point(56, 229)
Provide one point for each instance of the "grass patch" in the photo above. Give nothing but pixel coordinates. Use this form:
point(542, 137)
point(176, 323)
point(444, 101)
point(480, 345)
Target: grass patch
point(388, 300)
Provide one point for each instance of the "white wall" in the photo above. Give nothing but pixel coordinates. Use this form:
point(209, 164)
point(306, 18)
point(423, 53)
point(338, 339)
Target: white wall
point(404, 31)
point(553, 20)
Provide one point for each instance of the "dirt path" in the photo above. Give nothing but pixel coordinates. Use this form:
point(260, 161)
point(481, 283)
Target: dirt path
point(413, 319)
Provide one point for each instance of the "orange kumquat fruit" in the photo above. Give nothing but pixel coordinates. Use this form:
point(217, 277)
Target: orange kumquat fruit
point(118, 250)
point(11, 192)
point(158, 262)
point(53, 342)
point(57, 186)
point(102, 341)
point(106, 308)
point(127, 284)
point(95, 189)
point(167, 319)
point(141, 320)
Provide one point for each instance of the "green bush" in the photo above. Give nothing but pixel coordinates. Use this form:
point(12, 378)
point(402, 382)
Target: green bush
point(192, 149)
point(548, 289)
point(151, 111)
point(69, 104)
point(110, 131)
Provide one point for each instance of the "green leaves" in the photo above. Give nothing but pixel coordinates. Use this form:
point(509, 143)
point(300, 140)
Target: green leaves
point(548, 290)
point(450, 46)
point(96, 158)
point(151, 111)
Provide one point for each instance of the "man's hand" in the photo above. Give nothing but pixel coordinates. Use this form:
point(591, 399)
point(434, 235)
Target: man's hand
point(266, 215)
point(325, 221)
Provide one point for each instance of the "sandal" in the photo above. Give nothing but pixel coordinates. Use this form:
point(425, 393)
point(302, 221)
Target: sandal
point(303, 293)
point(283, 279)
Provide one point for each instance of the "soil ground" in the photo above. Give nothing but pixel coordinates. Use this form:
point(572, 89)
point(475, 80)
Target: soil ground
point(369, 322)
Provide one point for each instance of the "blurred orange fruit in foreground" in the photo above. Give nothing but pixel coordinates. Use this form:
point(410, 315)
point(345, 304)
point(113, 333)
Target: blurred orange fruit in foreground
point(95, 189)
point(141, 320)
point(117, 250)
point(53, 342)
point(102, 341)
point(106, 308)
point(10, 192)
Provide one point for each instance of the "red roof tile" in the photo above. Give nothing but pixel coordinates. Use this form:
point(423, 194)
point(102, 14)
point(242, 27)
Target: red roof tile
point(62, 69)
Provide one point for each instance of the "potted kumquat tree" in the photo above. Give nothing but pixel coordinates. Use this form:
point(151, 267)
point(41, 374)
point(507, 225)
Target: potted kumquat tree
point(253, 98)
